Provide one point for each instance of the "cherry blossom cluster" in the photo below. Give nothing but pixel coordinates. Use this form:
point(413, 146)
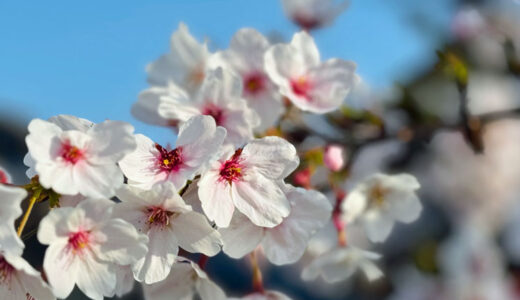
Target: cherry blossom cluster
point(125, 208)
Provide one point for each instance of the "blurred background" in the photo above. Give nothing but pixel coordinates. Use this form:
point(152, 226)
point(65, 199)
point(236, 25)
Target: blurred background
point(88, 59)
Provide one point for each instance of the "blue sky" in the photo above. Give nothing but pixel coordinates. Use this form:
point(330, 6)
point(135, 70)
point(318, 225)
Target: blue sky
point(87, 58)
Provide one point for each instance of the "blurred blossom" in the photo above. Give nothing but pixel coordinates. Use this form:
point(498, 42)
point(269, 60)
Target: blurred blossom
point(468, 184)
point(467, 23)
point(313, 14)
point(472, 264)
point(341, 263)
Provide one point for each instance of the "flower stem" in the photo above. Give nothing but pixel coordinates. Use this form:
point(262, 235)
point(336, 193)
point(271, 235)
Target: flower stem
point(32, 201)
point(258, 285)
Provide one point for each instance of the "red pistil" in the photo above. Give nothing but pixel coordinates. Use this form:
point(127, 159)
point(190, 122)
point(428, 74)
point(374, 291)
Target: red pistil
point(169, 160)
point(70, 153)
point(231, 170)
point(254, 83)
point(6, 270)
point(78, 240)
point(301, 87)
point(216, 112)
point(158, 216)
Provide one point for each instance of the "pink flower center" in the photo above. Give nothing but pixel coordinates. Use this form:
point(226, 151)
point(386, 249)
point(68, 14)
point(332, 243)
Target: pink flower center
point(70, 153)
point(158, 216)
point(232, 169)
point(78, 241)
point(3, 177)
point(216, 112)
point(301, 87)
point(6, 270)
point(254, 83)
point(169, 161)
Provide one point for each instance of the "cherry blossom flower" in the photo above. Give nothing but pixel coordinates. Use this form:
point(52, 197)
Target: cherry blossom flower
point(333, 157)
point(341, 263)
point(249, 179)
point(20, 281)
point(186, 280)
point(169, 223)
point(11, 198)
point(4, 176)
point(185, 64)
point(79, 162)
point(151, 163)
point(266, 295)
point(86, 247)
point(311, 85)
point(245, 56)
point(380, 200)
point(220, 97)
point(65, 122)
point(285, 243)
point(313, 14)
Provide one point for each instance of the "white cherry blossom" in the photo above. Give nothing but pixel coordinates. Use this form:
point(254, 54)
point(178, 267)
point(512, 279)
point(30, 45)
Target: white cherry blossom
point(249, 179)
point(285, 243)
point(10, 200)
point(245, 56)
point(313, 14)
point(186, 280)
point(77, 162)
point(341, 263)
point(169, 223)
point(65, 122)
point(86, 247)
point(220, 97)
point(20, 281)
point(380, 200)
point(151, 163)
point(311, 85)
point(185, 64)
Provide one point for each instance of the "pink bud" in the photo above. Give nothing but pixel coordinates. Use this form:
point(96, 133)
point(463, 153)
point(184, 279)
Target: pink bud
point(333, 157)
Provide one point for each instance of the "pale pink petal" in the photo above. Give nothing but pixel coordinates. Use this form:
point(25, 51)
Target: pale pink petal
point(216, 199)
point(241, 237)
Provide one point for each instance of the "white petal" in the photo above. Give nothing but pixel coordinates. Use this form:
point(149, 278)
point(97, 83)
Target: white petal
point(215, 197)
point(208, 290)
point(146, 108)
point(199, 138)
point(195, 234)
point(241, 237)
point(61, 269)
point(69, 122)
point(331, 83)
point(122, 243)
point(50, 228)
point(179, 285)
point(274, 157)
point(97, 181)
point(141, 165)
point(29, 279)
point(112, 140)
point(95, 278)
point(377, 225)
point(162, 250)
point(42, 139)
point(261, 200)
point(304, 44)
point(287, 242)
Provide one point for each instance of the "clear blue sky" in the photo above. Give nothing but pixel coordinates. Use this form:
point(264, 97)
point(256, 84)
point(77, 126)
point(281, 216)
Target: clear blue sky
point(87, 58)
